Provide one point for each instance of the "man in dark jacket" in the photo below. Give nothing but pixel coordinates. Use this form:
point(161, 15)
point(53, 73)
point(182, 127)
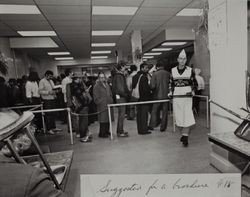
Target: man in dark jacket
point(121, 93)
point(160, 87)
point(145, 95)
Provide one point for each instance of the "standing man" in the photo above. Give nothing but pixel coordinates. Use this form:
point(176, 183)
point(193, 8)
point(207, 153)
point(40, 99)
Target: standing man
point(160, 86)
point(144, 95)
point(182, 89)
point(65, 81)
point(46, 86)
point(121, 94)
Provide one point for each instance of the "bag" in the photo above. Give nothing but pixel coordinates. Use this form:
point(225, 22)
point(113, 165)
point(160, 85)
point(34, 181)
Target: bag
point(76, 104)
point(243, 131)
point(135, 92)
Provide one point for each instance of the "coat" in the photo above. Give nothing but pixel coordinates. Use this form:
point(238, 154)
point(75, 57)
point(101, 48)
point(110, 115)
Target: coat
point(19, 180)
point(102, 97)
point(160, 84)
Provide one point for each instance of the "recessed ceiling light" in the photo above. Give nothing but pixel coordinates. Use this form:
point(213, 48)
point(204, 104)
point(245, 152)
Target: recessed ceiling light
point(64, 58)
point(190, 12)
point(58, 53)
point(37, 33)
point(99, 57)
point(162, 49)
point(18, 9)
point(100, 52)
point(107, 33)
point(103, 44)
point(152, 53)
point(173, 43)
point(113, 10)
point(147, 57)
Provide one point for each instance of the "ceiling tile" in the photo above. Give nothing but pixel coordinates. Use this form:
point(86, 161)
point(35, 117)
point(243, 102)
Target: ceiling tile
point(63, 2)
point(116, 2)
point(65, 10)
point(149, 18)
point(166, 3)
point(29, 25)
point(109, 39)
point(17, 2)
point(157, 11)
point(111, 18)
point(22, 17)
point(108, 25)
point(68, 17)
point(197, 4)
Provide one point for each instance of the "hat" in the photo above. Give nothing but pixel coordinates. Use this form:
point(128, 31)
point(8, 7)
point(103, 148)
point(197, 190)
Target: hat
point(182, 54)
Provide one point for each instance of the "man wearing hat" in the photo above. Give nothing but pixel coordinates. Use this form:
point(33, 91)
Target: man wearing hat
point(182, 84)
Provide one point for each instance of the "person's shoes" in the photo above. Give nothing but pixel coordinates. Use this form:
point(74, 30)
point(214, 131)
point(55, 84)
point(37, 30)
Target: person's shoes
point(50, 132)
point(150, 128)
point(85, 139)
point(57, 130)
point(185, 141)
point(78, 135)
point(146, 133)
point(162, 130)
point(130, 118)
point(122, 134)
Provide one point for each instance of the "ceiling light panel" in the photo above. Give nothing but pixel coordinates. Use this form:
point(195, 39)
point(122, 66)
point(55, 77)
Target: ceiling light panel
point(107, 33)
point(147, 57)
point(173, 43)
point(103, 44)
point(100, 52)
point(99, 57)
point(152, 53)
point(64, 58)
point(162, 49)
point(37, 33)
point(190, 12)
point(112, 10)
point(18, 9)
point(58, 53)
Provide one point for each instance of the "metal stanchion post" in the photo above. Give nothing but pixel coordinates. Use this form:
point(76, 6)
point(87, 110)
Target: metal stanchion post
point(43, 121)
point(207, 112)
point(70, 126)
point(110, 124)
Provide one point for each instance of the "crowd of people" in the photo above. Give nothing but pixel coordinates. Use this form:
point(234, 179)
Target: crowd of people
point(88, 99)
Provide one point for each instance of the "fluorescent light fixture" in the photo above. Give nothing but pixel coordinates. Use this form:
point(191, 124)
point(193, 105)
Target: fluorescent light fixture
point(152, 53)
point(190, 12)
point(173, 43)
point(18, 9)
point(107, 33)
point(162, 49)
point(103, 44)
point(37, 33)
point(147, 57)
point(99, 57)
point(113, 10)
point(100, 52)
point(58, 53)
point(64, 58)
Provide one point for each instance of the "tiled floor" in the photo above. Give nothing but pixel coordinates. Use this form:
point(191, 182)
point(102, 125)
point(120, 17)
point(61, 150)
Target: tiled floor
point(155, 153)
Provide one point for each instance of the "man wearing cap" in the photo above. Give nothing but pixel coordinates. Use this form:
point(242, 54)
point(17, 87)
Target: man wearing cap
point(182, 86)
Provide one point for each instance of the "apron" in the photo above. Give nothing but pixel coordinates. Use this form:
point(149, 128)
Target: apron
point(182, 103)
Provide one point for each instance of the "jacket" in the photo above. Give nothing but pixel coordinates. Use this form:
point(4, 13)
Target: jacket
point(102, 97)
point(144, 88)
point(160, 84)
point(119, 85)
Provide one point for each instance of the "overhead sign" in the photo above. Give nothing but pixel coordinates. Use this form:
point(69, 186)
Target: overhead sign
point(161, 185)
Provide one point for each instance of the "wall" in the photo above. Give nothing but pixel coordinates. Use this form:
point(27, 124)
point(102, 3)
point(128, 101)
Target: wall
point(5, 48)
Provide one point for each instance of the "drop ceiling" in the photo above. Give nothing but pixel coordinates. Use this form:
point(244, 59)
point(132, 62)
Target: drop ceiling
point(73, 22)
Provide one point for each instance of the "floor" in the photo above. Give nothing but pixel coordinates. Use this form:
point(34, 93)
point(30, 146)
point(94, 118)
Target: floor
point(159, 152)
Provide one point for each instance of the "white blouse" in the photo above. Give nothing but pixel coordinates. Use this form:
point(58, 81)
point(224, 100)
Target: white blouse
point(32, 89)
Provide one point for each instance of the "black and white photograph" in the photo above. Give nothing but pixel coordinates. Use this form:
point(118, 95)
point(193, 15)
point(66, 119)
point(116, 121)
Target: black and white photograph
point(124, 98)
